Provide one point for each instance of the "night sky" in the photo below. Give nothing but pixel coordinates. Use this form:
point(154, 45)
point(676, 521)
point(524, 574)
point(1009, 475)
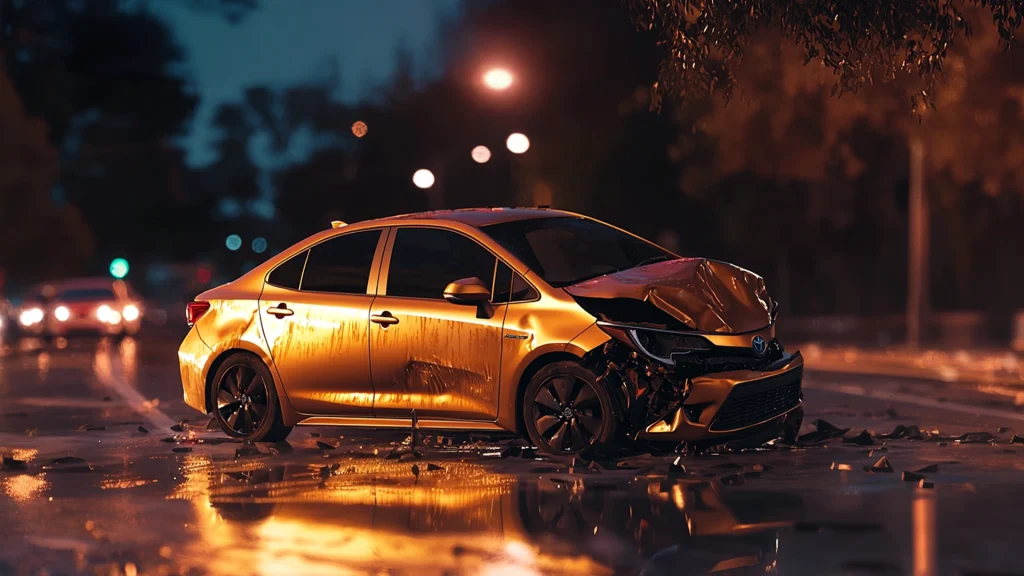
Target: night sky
point(286, 42)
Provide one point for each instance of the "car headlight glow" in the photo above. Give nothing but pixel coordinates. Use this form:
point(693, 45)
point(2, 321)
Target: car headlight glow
point(103, 313)
point(62, 313)
point(130, 313)
point(31, 316)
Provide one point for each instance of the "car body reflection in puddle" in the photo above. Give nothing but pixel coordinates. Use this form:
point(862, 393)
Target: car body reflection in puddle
point(368, 515)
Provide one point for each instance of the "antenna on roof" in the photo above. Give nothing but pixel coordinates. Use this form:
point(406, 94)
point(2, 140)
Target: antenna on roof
point(338, 223)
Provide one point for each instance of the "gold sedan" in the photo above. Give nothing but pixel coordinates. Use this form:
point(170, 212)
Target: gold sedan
point(543, 322)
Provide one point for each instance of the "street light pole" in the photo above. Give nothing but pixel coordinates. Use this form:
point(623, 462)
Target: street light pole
point(917, 248)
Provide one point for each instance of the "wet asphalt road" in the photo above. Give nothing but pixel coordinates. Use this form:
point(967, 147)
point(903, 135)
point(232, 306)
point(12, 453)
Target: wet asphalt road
point(97, 495)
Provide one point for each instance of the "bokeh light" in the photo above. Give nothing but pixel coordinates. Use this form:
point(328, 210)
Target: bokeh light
point(233, 242)
point(423, 178)
point(359, 129)
point(259, 245)
point(517, 143)
point(498, 79)
point(119, 268)
point(481, 154)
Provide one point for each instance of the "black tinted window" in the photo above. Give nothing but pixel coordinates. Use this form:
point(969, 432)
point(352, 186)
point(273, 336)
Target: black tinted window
point(425, 260)
point(510, 286)
point(502, 283)
point(521, 290)
point(288, 274)
point(342, 264)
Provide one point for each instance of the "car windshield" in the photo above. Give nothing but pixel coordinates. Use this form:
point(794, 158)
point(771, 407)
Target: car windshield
point(568, 250)
point(86, 295)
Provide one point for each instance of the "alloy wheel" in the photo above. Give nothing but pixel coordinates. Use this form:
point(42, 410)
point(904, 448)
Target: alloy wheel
point(242, 399)
point(567, 413)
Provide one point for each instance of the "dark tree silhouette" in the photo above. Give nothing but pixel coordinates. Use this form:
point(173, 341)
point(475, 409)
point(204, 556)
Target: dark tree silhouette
point(861, 41)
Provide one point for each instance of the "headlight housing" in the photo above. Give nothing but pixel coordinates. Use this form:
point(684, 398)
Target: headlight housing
point(659, 345)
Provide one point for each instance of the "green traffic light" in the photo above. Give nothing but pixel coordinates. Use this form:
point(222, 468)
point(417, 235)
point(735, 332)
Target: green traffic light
point(119, 268)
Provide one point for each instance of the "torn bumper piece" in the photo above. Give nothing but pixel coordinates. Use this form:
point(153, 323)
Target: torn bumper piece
point(726, 405)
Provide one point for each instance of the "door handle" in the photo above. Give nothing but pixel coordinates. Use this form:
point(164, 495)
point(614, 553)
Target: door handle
point(280, 311)
point(385, 319)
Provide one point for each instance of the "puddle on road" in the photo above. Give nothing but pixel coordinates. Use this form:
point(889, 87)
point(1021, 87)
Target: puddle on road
point(310, 511)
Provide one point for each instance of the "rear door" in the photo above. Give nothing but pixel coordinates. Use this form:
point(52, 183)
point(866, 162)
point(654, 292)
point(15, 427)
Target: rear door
point(315, 315)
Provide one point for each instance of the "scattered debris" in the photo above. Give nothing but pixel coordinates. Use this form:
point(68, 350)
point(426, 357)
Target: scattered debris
point(68, 460)
point(911, 477)
point(844, 467)
point(925, 484)
point(431, 467)
point(929, 469)
point(1002, 429)
point(325, 472)
point(143, 429)
point(10, 463)
point(90, 428)
point(169, 439)
point(181, 426)
point(1017, 439)
point(732, 479)
point(314, 434)
point(325, 446)
point(762, 467)
point(824, 431)
point(975, 438)
point(882, 465)
point(862, 439)
point(675, 468)
point(409, 456)
point(182, 449)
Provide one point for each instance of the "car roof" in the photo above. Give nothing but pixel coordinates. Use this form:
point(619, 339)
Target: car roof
point(476, 217)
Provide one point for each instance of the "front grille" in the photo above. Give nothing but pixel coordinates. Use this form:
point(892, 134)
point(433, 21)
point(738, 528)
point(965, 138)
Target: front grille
point(755, 402)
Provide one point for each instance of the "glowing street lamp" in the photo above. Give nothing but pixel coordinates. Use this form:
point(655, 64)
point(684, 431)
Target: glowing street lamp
point(517, 143)
point(481, 154)
point(423, 178)
point(498, 79)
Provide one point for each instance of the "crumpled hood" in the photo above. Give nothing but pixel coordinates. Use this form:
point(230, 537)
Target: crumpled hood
point(706, 295)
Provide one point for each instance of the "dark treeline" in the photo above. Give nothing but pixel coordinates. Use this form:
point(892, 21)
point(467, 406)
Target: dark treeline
point(804, 188)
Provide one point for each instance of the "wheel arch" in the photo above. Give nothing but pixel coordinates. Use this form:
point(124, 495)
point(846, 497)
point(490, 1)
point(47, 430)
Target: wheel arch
point(524, 380)
point(288, 414)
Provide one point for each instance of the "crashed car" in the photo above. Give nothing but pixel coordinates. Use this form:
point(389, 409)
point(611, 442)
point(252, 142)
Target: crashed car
point(565, 329)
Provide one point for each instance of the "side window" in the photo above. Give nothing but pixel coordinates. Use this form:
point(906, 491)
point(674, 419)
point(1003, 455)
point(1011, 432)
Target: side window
point(510, 286)
point(502, 284)
point(521, 290)
point(288, 274)
point(425, 260)
point(342, 264)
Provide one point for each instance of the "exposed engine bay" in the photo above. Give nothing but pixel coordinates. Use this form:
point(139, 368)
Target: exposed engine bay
point(663, 319)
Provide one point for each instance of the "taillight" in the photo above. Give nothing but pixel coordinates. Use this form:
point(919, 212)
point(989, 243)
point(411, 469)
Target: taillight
point(195, 310)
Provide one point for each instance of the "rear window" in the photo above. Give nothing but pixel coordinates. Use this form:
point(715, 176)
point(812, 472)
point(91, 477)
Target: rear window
point(86, 294)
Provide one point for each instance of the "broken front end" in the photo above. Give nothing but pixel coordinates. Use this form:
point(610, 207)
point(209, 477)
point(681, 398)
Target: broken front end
point(694, 354)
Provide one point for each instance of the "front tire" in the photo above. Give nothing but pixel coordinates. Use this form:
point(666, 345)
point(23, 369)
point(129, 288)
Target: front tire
point(245, 402)
point(566, 411)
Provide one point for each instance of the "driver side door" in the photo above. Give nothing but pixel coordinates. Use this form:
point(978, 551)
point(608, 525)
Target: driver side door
point(427, 354)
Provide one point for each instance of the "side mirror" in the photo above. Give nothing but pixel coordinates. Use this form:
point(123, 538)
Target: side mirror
point(470, 292)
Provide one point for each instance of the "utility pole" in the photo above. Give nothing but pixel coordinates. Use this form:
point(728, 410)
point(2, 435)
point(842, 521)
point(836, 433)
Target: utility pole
point(917, 248)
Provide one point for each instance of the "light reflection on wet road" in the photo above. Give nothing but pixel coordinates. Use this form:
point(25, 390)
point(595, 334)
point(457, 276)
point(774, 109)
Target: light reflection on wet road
point(97, 495)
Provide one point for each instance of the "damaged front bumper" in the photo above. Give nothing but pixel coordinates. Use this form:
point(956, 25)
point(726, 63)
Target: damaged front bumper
point(727, 405)
point(698, 387)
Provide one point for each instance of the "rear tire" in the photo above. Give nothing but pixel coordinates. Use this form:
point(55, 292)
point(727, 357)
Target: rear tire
point(245, 402)
point(566, 411)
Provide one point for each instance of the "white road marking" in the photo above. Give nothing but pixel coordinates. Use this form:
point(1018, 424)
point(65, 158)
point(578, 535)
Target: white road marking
point(110, 374)
point(916, 400)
